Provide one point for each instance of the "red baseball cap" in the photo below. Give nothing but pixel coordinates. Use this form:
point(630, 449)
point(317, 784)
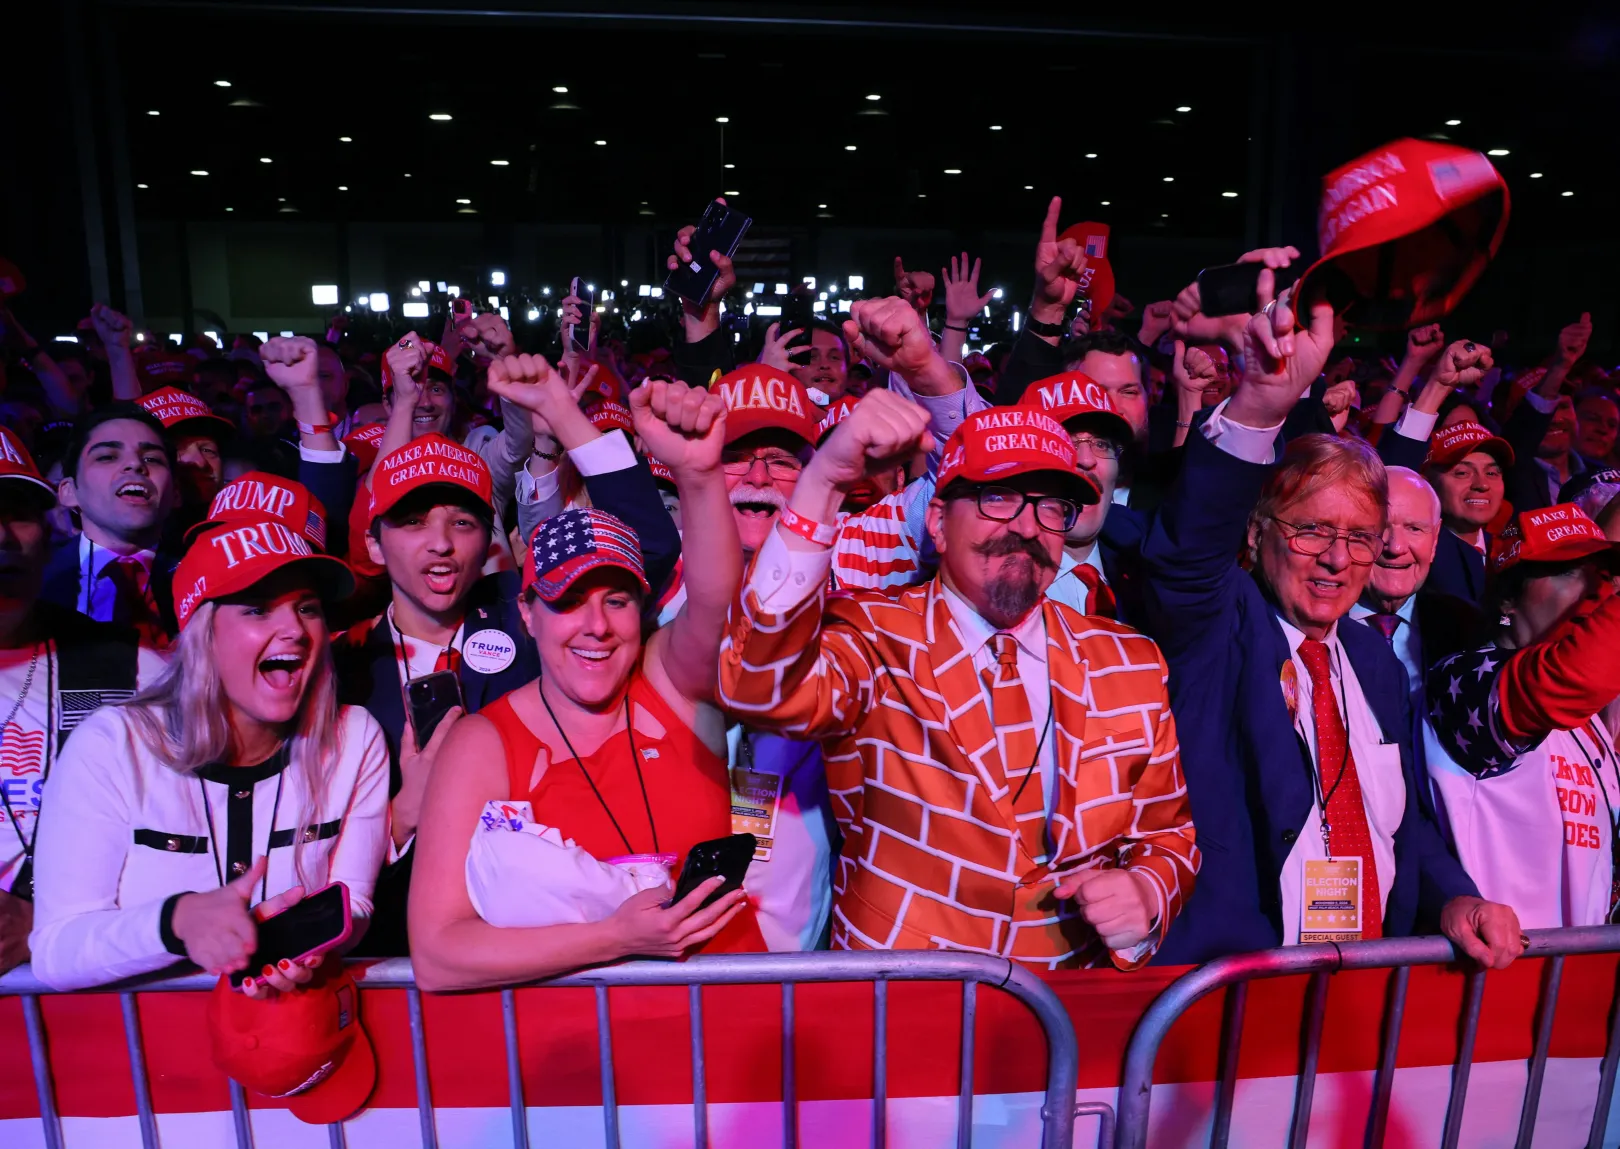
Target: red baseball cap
point(1097, 280)
point(1558, 534)
point(607, 383)
point(570, 543)
point(606, 415)
point(836, 414)
point(428, 461)
point(1404, 232)
point(175, 408)
point(438, 359)
point(17, 466)
point(308, 1048)
point(230, 558)
point(1073, 395)
point(660, 473)
point(363, 444)
point(1455, 443)
point(760, 398)
point(261, 495)
point(1003, 442)
point(161, 369)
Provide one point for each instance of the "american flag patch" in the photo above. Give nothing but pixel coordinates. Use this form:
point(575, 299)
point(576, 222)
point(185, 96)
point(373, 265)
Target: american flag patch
point(77, 705)
point(1096, 247)
point(315, 528)
point(1456, 176)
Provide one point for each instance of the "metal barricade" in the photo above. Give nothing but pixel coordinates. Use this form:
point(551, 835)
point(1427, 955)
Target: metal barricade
point(788, 969)
point(1321, 962)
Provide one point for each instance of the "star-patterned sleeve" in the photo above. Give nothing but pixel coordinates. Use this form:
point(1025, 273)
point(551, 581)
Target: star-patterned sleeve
point(1464, 707)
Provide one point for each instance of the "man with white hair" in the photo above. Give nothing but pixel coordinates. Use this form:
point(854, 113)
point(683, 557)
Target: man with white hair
point(1422, 625)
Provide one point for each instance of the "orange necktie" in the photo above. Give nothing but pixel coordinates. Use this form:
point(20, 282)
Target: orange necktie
point(1015, 733)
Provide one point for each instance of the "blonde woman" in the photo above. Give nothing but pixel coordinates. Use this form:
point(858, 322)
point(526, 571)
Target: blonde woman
point(223, 793)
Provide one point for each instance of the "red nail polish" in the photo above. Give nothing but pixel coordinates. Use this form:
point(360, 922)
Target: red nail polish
point(268, 970)
point(284, 965)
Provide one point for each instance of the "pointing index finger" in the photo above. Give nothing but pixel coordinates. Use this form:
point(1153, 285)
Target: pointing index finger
point(1049, 226)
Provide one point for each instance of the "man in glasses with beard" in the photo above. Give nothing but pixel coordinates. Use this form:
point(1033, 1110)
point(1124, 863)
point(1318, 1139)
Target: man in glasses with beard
point(1004, 769)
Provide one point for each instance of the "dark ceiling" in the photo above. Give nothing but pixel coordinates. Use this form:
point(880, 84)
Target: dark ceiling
point(328, 113)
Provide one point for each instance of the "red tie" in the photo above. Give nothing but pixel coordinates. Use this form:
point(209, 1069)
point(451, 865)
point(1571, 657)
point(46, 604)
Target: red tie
point(449, 659)
point(1346, 813)
point(1099, 598)
point(1385, 624)
point(133, 604)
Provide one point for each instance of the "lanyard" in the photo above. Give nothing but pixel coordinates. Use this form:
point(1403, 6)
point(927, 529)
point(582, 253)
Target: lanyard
point(1317, 775)
point(398, 637)
point(275, 808)
point(45, 751)
point(635, 760)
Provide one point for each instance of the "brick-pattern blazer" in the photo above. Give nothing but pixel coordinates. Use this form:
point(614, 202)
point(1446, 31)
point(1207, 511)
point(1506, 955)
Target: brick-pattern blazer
point(932, 858)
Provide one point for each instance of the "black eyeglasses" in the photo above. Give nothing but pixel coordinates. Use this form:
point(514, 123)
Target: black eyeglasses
point(1003, 504)
point(1317, 538)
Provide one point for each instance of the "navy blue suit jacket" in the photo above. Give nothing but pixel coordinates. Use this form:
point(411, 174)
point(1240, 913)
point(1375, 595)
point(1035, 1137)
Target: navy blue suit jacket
point(62, 585)
point(1248, 772)
point(1120, 548)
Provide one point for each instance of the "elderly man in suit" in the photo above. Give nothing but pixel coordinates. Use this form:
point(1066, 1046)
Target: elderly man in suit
point(1005, 770)
point(1297, 725)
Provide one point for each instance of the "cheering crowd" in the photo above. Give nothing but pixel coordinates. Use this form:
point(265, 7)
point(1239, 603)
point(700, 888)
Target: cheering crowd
point(1149, 635)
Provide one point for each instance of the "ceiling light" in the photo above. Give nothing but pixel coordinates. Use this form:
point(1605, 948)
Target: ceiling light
point(265, 160)
point(143, 187)
point(1497, 152)
point(154, 112)
point(1164, 215)
point(343, 187)
point(1029, 187)
point(1569, 193)
point(1091, 155)
point(953, 171)
point(198, 172)
point(464, 201)
point(722, 119)
point(1229, 195)
point(440, 117)
point(601, 143)
point(1105, 202)
point(874, 96)
point(1535, 175)
point(728, 168)
point(1169, 179)
point(222, 83)
point(500, 163)
point(995, 127)
point(731, 193)
point(230, 209)
point(1453, 123)
point(922, 195)
point(323, 294)
point(561, 89)
point(345, 139)
point(1184, 108)
point(283, 199)
point(407, 175)
point(849, 147)
point(822, 206)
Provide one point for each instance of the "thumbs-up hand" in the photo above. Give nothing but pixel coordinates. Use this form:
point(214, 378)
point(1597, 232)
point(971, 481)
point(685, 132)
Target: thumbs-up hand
point(1118, 904)
point(218, 931)
point(1572, 340)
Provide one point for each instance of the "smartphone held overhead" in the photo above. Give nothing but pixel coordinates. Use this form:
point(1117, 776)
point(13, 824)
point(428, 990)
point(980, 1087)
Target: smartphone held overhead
point(721, 229)
point(1231, 288)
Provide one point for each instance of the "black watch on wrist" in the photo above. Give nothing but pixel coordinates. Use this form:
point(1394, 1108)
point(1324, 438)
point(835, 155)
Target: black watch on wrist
point(1050, 330)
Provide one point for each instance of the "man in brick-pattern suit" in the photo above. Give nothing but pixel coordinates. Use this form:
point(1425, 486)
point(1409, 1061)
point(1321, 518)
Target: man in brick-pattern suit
point(1005, 769)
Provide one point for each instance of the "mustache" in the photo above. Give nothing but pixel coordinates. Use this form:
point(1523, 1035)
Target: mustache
point(1014, 544)
point(746, 493)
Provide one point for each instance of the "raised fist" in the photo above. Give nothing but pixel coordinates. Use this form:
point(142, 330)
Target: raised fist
point(291, 362)
point(405, 360)
point(915, 287)
point(113, 327)
point(889, 333)
point(881, 429)
point(1572, 340)
point(682, 427)
point(487, 336)
point(1462, 364)
point(1423, 343)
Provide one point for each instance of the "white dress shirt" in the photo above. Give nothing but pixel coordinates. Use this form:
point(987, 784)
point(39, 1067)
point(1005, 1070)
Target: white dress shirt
point(1378, 767)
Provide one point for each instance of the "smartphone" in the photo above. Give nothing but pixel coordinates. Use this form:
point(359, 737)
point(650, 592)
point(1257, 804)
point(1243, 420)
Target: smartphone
point(721, 229)
point(308, 929)
point(569, 341)
point(430, 698)
point(723, 857)
point(1230, 288)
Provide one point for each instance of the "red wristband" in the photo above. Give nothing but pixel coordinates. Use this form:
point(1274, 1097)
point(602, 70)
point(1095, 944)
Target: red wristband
point(819, 533)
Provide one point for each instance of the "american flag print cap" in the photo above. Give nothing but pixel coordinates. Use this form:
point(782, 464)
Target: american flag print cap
point(573, 542)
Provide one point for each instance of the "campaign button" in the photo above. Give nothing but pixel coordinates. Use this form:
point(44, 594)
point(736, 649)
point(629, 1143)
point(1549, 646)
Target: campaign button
point(489, 651)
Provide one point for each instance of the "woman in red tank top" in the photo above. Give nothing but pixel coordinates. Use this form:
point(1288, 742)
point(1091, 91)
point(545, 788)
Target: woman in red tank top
point(619, 744)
